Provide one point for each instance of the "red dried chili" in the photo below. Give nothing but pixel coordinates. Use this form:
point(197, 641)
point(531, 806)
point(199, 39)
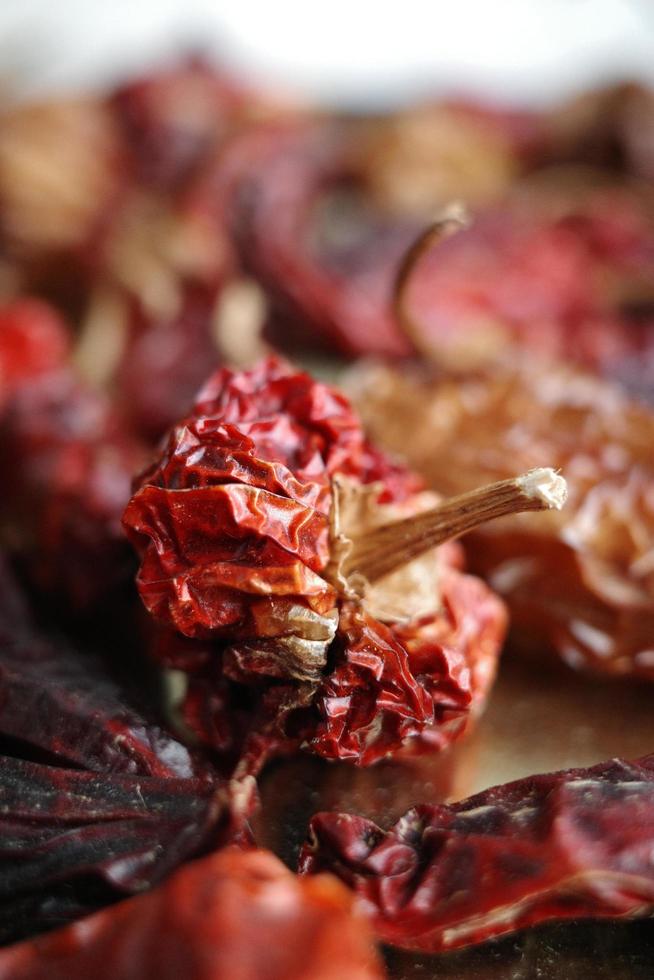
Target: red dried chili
point(563, 274)
point(33, 341)
point(97, 801)
point(557, 846)
point(68, 464)
point(258, 528)
point(234, 914)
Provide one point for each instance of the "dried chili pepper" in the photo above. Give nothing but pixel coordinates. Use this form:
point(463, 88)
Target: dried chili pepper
point(234, 914)
point(175, 117)
point(322, 293)
point(554, 266)
point(564, 272)
point(33, 342)
point(97, 801)
point(69, 706)
point(570, 844)
point(68, 463)
point(258, 529)
point(580, 582)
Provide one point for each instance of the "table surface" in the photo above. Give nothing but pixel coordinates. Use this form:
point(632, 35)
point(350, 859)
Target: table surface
point(539, 718)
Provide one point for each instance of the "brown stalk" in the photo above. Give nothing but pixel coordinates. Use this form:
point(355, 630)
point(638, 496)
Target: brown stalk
point(386, 548)
point(454, 218)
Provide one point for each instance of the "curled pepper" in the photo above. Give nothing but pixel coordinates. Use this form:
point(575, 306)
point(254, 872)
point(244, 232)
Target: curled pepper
point(303, 562)
point(560, 845)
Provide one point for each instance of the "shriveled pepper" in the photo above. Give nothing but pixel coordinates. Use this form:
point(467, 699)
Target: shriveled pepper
point(579, 582)
point(97, 799)
point(302, 560)
point(572, 844)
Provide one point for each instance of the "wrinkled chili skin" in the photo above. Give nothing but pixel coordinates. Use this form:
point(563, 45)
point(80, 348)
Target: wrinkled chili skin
point(232, 523)
point(571, 844)
point(578, 583)
point(234, 914)
point(97, 799)
point(256, 456)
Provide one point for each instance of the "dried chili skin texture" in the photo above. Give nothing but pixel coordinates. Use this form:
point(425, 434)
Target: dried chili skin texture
point(233, 525)
point(571, 844)
point(234, 914)
point(579, 582)
point(68, 462)
point(97, 800)
point(233, 522)
point(68, 706)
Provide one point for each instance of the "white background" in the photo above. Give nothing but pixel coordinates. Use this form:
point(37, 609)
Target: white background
point(356, 51)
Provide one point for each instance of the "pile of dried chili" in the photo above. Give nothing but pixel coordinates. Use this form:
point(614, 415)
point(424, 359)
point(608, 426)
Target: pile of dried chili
point(307, 587)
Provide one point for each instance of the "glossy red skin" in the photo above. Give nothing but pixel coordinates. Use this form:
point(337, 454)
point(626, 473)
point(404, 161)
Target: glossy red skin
point(232, 525)
point(232, 915)
point(571, 844)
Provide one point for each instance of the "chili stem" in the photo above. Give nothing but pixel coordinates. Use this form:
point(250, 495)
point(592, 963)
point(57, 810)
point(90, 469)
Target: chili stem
point(454, 218)
point(393, 545)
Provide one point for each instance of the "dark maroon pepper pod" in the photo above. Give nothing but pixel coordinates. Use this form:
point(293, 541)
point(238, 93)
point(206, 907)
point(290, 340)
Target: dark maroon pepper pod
point(97, 800)
point(68, 459)
point(564, 845)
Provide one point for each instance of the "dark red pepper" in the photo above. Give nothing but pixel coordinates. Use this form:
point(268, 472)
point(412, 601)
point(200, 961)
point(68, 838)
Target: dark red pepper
point(97, 800)
point(560, 274)
point(572, 844)
point(68, 462)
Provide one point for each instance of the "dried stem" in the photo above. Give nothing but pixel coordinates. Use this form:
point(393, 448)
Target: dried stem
point(454, 218)
point(389, 547)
